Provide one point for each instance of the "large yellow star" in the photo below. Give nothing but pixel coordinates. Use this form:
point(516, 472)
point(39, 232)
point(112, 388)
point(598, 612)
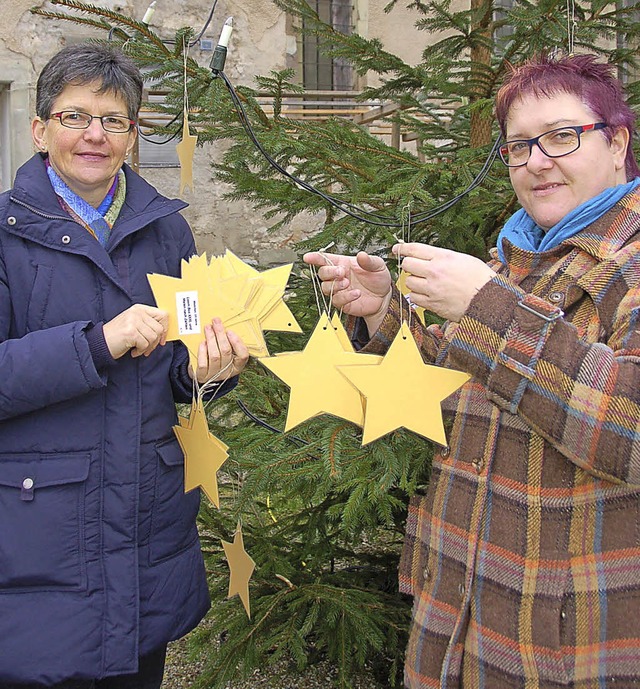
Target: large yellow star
point(204, 454)
point(316, 385)
point(403, 391)
point(241, 567)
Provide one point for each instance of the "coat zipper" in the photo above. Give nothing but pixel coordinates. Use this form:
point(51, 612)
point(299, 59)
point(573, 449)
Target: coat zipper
point(40, 213)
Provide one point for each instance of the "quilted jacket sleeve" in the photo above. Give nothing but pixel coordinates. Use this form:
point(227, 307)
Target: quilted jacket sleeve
point(32, 372)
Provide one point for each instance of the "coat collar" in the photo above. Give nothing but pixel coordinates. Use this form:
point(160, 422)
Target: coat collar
point(143, 204)
point(35, 214)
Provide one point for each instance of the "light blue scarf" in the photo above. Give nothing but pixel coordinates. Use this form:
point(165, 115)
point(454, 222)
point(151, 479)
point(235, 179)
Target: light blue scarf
point(522, 231)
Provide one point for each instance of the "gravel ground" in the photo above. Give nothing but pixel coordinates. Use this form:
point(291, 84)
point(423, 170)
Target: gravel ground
point(180, 673)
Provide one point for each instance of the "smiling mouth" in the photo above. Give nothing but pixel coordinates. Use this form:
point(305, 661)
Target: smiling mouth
point(547, 187)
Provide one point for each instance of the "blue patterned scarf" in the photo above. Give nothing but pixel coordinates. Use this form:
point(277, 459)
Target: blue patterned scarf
point(522, 231)
point(98, 221)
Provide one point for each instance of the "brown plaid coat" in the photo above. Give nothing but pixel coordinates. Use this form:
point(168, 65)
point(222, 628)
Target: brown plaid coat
point(523, 556)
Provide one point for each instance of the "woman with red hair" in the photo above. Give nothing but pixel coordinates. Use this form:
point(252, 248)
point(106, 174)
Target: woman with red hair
point(523, 553)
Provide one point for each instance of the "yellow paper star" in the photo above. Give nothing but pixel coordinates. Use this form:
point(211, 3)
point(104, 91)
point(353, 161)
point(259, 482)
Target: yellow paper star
point(268, 306)
point(204, 454)
point(241, 567)
point(316, 385)
point(185, 150)
point(245, 300)
point(191, 302)
point(403, 391)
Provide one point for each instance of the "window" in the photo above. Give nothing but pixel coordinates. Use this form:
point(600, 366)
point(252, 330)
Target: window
point(16, 146)
point(503, 34)
point(153, 150)
point(319, 72)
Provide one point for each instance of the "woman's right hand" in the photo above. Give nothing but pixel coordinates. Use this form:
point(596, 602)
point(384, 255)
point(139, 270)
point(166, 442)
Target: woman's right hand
point(359, 285)
point(139, 330)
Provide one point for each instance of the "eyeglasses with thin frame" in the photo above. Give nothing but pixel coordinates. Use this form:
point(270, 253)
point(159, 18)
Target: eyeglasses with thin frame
point(73, 119)
point(555, 143)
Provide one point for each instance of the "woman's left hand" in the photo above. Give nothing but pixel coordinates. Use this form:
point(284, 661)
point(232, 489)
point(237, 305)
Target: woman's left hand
point(442, 281)
point(222, 355)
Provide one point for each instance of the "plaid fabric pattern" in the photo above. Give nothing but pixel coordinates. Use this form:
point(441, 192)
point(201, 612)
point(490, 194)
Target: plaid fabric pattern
point(523, 555)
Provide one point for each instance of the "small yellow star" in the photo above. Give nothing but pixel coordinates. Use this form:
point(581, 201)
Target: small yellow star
point(204, 454)
point(185, 150)
point(241, 567)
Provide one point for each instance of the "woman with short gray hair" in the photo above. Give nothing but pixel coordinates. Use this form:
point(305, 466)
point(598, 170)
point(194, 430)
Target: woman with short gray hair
point(100, 562)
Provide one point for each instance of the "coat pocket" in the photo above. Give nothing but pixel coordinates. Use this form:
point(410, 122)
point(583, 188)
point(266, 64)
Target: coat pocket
point(174, 512)
point(42, 501)
point(39, 298)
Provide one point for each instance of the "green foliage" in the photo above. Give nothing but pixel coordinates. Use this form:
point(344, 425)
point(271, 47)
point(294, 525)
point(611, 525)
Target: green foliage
point(321, 515)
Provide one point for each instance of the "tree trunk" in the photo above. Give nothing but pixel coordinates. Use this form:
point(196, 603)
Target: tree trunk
point(480, 125)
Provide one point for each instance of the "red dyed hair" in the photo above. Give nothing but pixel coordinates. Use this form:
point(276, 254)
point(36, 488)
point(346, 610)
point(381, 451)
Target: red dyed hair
point(593, 82)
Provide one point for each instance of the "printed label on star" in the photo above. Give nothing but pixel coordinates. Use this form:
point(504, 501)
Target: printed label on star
point(188, 313)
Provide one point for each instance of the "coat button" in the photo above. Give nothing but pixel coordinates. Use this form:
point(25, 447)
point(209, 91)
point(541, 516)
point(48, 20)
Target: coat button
point(461, 590)
point(445, 451)
point(556, 297)
point(11, 220)
point(66, 239)
point(477, 465)
point(426, 573)
point(26, 494)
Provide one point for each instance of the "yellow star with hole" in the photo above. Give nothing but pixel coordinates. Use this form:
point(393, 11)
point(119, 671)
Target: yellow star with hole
point(268, 305)
point(316, 385)
point(204, 454)
point(403, 391)
point(241, 567)
point(185, 149)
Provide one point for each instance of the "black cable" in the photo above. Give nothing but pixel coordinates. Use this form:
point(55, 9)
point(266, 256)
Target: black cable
point(355, 212)
point(148, 139)
point(261, 422)
point(204, 28)
point(350, 209)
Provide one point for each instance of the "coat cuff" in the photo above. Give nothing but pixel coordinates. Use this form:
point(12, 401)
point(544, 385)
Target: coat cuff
point(98, 346)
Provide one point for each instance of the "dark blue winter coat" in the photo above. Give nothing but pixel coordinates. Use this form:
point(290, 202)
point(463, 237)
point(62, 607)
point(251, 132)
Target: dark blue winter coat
point(99, 555)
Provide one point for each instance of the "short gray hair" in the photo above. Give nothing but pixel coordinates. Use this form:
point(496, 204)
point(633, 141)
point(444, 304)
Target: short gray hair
point(85, 63)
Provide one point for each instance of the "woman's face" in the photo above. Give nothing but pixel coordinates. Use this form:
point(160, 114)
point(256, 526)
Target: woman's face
point(86, 159)
point(549, 188)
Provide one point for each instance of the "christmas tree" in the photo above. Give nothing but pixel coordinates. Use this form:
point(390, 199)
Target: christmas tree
point(322, 516)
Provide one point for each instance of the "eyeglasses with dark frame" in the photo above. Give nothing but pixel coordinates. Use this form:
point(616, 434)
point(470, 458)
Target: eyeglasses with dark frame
point(555, 143)
point(114, 124)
